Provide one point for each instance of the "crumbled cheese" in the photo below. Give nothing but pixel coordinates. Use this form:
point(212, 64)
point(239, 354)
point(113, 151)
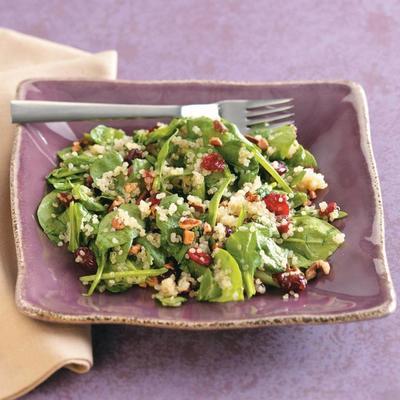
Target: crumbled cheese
point(184, 282)
point(97, 149)
point(245, 156)
point(154, 239)
point(219, 233)
point(311, 181)
point(167, 287)
point(129, 221)
point(175, 238)
point(144, 208)
point(339, 238)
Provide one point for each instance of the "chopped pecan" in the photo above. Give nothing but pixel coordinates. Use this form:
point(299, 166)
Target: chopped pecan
point(130, 187)
point(135, 249)
point(262, 143)
point(88, 181)
point(216, 142)
point(188, 237)
point(219, 126)
point(116, 203)
point(76, 146)
point(252, 197)
point(64, 198)
point(152, 281)
point(189, 223)
point(117, 224)
point(169, 266)
point(311, 272)
point(148, 177)
point(312, 195)
point(251, 139)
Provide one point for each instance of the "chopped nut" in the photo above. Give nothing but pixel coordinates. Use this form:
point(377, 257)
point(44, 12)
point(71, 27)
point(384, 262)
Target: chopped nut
point(311, 272)
point(88, 181)
point(152, 281)
point(188, 237)
point(219, 126)
point(312, 195)
point(76, 146)
point(135, 249)
point(252, 197)
point(251, 139)
point(207, 229)
point(189, 223)
point(214, 141)
point(117, 224)
point(148, 177)
point(169, 266)
point(263, 144)
point(116, 203)
point(130, 187)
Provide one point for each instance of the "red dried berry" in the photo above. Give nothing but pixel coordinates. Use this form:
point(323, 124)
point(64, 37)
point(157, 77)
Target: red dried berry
point(213, 162)
point(153, 200)
point(133, 154)
point(199, 257)
point(283, 227)
point(64, 198)
point(332, 206)
point(86, 258)
point(292, 279)
point(277, 203)
point(219, 126)
point(89, 181)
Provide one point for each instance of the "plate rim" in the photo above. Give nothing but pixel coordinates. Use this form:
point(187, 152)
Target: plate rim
point(387, 306)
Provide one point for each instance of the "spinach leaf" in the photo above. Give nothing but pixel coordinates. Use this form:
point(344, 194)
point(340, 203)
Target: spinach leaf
point(83, 194)
point(49, 217)
point(208, 289)
point(315, 240)
point(298, 199)
point(226, 265)
point(108, 238)
point(170, 301)
point(102, 134)
point(170, 225)
point(109, 161)
point(157, 254)
point(266, 278)
point(216, 199)
point(75, 213)
point(282, 139)
point(242, 216)
point(65, 184)
point(161, 158)
point(303, 158)
point(252, 248)
point(164, 132)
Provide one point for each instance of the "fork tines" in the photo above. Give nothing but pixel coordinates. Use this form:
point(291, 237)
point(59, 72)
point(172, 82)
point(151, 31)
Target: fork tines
point(273, 112)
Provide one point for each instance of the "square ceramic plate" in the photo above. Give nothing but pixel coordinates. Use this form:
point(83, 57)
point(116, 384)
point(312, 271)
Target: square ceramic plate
point(332, 121)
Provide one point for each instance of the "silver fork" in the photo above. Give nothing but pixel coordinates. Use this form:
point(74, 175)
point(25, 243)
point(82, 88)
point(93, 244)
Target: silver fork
point(243, 113)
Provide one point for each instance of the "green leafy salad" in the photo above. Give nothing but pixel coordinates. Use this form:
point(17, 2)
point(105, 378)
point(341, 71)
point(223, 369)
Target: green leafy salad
point(193, 209)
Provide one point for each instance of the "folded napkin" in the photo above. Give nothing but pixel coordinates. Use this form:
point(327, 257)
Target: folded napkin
point(30, 351)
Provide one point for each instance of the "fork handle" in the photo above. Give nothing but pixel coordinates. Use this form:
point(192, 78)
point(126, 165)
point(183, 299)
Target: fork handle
point(52, 111)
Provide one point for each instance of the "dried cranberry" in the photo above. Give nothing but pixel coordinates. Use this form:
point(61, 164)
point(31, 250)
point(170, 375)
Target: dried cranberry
point(283, 227)
point(153, 200)
point(133, 154)
point(88, 181)
point(86, 258)
point(199, 257)
point(332, 206)
point(219, 126)
point(213, 162)
point(64, 198)
point(280, 167)
point(277, 203)
point(292, 279)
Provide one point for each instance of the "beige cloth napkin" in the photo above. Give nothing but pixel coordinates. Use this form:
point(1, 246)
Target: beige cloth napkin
point(30, 351)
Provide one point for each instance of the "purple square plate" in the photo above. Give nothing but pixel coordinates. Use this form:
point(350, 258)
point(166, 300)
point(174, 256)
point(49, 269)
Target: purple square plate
point(332, 120)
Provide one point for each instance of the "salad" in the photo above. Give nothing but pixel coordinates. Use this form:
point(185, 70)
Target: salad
point(192, 209)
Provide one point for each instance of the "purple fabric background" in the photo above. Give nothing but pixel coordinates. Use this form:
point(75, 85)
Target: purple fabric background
point(243, 40)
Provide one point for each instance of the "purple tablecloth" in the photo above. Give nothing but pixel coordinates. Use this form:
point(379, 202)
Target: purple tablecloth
point(243, 40)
